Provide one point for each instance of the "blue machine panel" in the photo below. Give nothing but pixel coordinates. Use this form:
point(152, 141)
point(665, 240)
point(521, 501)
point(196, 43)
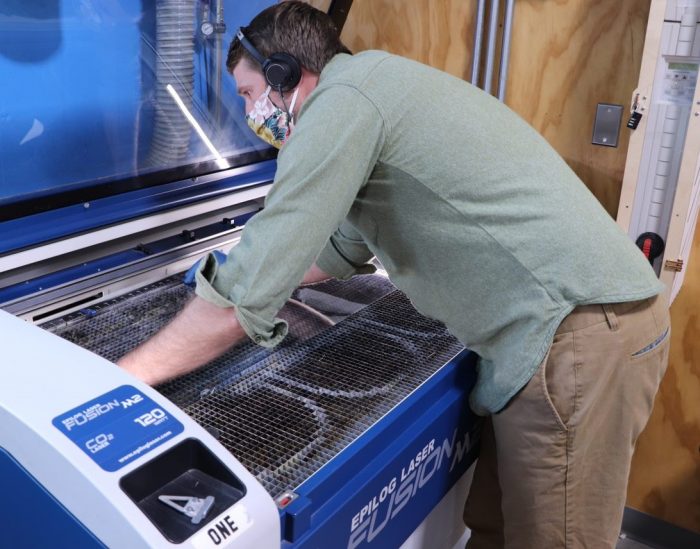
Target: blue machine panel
point(80, 97)
point(405, 465)
point(118, 427)
point(38, 520)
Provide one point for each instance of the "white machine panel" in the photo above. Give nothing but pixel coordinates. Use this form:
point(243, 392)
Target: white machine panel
point(34, 396)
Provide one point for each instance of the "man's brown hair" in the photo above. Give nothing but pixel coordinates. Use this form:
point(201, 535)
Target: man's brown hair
point(290, 27)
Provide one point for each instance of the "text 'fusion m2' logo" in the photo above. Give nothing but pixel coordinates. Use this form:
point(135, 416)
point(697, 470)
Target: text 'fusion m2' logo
point(97, 410)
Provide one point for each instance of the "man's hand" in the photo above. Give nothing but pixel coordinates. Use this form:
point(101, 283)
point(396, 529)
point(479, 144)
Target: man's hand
point(198, 334)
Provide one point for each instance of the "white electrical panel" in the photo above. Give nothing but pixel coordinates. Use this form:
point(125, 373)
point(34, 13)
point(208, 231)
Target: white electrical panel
point(657, 158)
point(667, 126)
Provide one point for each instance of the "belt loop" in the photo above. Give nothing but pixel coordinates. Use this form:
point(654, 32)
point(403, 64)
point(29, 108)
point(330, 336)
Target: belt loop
point(611, 317)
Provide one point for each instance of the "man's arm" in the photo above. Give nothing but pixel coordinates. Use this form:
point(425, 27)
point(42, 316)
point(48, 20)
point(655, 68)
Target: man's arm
point(198, 334)
point(317, 180)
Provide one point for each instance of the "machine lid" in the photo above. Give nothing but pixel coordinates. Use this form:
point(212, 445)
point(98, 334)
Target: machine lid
point(121, 103)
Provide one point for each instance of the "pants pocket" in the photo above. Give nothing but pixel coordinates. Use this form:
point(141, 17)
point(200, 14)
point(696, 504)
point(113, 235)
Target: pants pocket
point(558, 378)
point(655, 346)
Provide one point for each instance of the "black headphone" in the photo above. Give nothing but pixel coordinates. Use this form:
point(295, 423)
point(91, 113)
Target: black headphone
point(282, 71)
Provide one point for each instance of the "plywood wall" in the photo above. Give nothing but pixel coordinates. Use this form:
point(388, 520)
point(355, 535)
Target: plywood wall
point(665, 479)
point(436, 33)
point(567, 56)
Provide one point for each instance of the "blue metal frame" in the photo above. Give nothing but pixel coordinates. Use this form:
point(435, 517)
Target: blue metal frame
point(32, 517)
point(104, 264)
point(30, 287)
point(29, 231)
point(434, 422)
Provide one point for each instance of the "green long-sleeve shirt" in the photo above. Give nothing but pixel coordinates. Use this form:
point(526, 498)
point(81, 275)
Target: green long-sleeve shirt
point(474, 216)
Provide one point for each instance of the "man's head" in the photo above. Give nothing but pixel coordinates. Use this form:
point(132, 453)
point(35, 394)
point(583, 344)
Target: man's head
point(293, 28)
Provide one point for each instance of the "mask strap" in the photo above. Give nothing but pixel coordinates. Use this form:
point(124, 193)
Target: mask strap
point(294, 102)
point(288, 110)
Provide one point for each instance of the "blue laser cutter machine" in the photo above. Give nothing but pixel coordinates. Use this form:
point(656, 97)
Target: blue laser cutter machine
point(349, 434)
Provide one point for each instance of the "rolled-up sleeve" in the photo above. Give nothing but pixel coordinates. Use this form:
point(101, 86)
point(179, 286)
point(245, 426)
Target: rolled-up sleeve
point(320, 170)
point(345, 254)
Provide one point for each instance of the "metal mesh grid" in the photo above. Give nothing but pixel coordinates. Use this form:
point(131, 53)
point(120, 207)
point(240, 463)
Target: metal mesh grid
point(339, 298)
point(305, 403)
point(285, 413)
point(112, 328)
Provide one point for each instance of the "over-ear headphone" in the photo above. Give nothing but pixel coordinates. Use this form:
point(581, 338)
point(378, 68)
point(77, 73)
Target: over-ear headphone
point(282, 71)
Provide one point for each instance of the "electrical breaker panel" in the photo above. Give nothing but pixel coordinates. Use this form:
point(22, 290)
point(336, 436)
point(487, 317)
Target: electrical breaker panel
point(661, 167)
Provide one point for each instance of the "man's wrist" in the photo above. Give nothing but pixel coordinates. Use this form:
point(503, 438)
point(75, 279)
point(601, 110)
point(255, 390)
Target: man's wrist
point(315, 274)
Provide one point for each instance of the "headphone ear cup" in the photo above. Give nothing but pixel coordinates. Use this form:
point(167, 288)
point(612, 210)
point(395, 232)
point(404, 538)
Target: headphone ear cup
point(282, 71)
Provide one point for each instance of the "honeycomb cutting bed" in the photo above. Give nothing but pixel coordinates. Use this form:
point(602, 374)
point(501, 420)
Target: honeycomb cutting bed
point(286, 412)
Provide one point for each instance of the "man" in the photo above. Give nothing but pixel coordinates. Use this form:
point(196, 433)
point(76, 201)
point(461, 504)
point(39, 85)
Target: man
point(485, 228)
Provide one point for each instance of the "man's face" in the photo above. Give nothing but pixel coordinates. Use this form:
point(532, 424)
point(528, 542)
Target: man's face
point(251, 84)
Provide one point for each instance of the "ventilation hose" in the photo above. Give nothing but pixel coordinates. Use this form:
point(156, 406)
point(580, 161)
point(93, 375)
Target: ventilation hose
point(175, 32)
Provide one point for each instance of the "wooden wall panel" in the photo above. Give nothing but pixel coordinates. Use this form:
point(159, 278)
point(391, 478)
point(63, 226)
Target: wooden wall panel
point(567, 56)
point(665, 478)
point(436, 33)
point(320, 4)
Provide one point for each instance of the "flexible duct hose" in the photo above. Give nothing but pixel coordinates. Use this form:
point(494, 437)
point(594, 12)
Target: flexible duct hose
point(175, 30)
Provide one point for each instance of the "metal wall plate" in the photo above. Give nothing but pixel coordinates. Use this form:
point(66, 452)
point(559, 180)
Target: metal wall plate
point(606, 129)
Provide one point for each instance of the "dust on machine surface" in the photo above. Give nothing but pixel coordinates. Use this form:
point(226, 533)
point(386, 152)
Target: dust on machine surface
point(284, 413)
point(349, 433)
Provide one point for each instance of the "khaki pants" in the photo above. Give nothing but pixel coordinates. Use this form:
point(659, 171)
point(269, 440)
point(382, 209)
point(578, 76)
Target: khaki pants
point(554, 462)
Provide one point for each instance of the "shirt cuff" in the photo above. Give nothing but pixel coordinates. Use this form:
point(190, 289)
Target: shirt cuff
point(333, 263)
point(261, 331)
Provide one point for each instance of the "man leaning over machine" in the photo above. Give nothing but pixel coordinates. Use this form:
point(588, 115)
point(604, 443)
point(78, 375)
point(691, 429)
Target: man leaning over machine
point(485, 228)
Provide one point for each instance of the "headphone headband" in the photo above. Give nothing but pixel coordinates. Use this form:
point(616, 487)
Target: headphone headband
point(252, 50)
point(282, 71)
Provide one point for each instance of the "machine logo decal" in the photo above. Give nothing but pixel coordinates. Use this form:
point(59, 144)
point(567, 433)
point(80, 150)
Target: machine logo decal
point(81, 417)
point(118, 427)
point(135, 399)
point(370, 521)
